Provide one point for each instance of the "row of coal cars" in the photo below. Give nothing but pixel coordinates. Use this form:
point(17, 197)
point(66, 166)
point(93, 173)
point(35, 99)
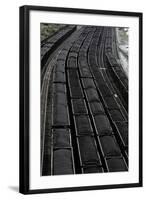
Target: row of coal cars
point(63, 154)
point(62, 150)
point(79, 74)
point(110, 151)
point(121, 82)
point(113, 109)
point(86, 116)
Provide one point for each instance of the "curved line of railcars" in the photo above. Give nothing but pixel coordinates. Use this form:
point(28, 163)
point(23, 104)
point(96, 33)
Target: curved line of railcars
point(86, 163)
point(119, 77)
point(62, 153)
point(91, 95)
point(97, 74)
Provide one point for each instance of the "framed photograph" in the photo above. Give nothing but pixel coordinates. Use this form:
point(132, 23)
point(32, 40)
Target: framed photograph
point(80, 99)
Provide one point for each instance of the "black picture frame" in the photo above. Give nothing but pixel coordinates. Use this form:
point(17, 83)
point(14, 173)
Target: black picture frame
point(25, 105)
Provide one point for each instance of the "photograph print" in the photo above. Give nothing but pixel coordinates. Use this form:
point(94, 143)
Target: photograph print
point(84, 99)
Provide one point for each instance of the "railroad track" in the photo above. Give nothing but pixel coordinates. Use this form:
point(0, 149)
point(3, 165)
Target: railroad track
point(84, 104)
